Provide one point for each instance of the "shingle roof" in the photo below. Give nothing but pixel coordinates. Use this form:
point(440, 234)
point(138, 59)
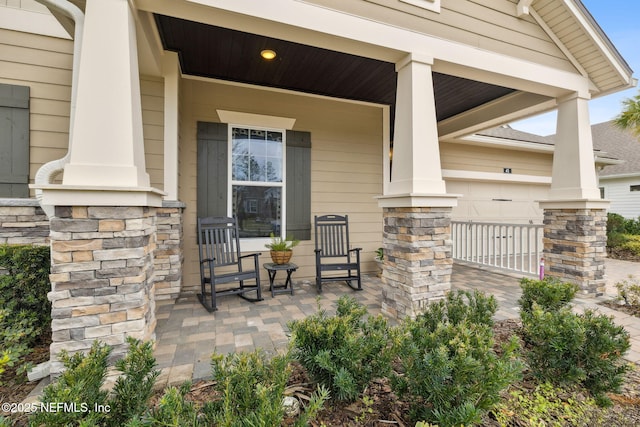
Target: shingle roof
point(617, 143)
point(507, 132)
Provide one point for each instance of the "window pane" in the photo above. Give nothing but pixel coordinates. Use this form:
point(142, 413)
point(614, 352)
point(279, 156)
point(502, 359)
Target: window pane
point(258, 210)
point(257, 155)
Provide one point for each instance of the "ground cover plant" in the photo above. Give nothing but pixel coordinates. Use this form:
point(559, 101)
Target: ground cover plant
point(623, 237)
point(25, 311)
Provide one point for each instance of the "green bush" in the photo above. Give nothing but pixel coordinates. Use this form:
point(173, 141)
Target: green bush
point(450, 372)
point(79, 387)
point(173, 410)
point(550, 294)
point(629, 292)
point(252, 388)
point(567, 348)
point(343, 352)
point(25, 313)
point(631, 243)
point(546, 405)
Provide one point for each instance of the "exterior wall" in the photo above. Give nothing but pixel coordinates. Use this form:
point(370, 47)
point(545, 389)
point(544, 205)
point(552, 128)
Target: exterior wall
point(44, 64)
point(346, 162)
point(22, 221)
point(623, 201)
point(490, 25)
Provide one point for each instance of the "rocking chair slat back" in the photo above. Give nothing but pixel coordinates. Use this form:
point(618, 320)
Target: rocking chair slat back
point(218, 240)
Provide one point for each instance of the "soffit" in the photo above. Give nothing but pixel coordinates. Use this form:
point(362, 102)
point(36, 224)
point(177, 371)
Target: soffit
point(231, 55)
point(575, 28)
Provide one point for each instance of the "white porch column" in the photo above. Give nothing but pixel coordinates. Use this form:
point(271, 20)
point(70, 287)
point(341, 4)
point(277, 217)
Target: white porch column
point(416, 155)
point(171, 71)
point(574, 172)
point(107, 146)
point(575, 217)
point(417, 209)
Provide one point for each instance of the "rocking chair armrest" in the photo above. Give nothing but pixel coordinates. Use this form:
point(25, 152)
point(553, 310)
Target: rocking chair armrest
point(317, 251)
point(355, 249)
point(207, 260)
point(255, 254)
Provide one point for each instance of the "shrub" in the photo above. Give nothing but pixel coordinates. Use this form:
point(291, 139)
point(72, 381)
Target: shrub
point(550, 294)
point(631, 243)
point(629, 292)
point(25, 314)
point(343, 352)
point(546, 405)
point(450, 371)
point(173, 410)
point(567, 348)
point(252, 390)
point(80, 385)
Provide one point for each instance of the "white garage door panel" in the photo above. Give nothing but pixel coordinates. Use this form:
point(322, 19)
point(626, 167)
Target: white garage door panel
point(478, 201)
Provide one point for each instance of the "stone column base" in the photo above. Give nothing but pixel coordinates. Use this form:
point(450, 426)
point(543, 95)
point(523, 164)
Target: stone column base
point(101, 277)
point(575, 243)
point(417, 259)
point(169, 255)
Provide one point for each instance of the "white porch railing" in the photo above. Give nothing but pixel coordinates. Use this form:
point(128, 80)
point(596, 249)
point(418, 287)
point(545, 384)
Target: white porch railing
point(514, 247)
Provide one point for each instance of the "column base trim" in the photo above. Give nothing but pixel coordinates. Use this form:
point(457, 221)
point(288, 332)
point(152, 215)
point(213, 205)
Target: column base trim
point(417, 200)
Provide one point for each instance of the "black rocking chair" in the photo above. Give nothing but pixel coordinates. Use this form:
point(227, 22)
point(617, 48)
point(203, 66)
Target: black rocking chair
point(221, 262)
point(333, 253)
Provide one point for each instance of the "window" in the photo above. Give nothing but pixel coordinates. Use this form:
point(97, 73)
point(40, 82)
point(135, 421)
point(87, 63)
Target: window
point(602, 192)
point(262, 175)
point(257, 184)
point(634, 188)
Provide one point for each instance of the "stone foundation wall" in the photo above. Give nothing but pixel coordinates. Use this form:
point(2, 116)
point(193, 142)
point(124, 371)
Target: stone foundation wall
point(102, 277)
point(417, 262)
point(575, 243)
point(168, 257)
point(23, 222)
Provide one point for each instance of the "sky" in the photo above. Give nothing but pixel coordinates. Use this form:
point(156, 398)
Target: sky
point(620, 20)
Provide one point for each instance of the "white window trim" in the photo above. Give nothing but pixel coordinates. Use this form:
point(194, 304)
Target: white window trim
point(432, 5)
point(257, 244)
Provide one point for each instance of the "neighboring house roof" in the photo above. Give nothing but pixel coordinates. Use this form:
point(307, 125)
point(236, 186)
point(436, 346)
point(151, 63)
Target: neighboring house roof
point(620, 144)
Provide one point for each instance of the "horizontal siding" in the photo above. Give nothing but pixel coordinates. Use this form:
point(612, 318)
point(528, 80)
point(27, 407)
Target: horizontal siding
point(152, 93)
point(466, 157)
point(44, 64)
point(486, 24)
point(623, 201)
point(346, 162)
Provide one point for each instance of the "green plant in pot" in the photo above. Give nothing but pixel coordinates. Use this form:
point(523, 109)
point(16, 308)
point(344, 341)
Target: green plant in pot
point(281, 249)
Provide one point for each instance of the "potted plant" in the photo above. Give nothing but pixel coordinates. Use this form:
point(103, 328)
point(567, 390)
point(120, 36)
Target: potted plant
point(281, 249)
point(379, 260)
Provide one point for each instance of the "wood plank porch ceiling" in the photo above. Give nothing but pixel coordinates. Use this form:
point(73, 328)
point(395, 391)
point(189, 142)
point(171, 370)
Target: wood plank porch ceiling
point(225, 54)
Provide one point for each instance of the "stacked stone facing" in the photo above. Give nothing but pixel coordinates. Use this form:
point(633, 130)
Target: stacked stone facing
point(575, 243)
point(417, 259)
point(168, 257)
point(102, 277)
point(23, 222)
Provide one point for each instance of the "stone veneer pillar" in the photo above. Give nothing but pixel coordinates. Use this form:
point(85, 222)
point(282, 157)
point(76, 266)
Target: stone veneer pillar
point(101, 277)
point(575, 246)
point(169, 254)
point(23, 222)
point(417, 262)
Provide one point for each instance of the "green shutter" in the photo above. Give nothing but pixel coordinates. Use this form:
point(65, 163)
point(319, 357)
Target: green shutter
point(14, 141)
point(212, 169)
point(299, 185)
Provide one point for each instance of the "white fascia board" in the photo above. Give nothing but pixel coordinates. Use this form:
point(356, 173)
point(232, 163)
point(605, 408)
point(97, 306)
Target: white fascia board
point(296, 20)
point(598, 40)
point(620, 176)
point(460, 175)
point(29, 21)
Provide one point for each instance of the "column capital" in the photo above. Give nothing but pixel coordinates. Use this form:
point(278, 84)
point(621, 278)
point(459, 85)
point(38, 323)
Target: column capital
point(421, 58)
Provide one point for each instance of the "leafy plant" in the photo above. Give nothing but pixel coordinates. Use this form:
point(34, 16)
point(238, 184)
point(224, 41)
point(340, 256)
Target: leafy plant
point(550, 294)
point(25, 313)
point(173, 410)
point(279, 244)
point(343, 352)
point(629, 292)
point(134, 387)
point(567, 348)
point(252, 387)
point(546, 405)
point(450, 372)
point(380, 254)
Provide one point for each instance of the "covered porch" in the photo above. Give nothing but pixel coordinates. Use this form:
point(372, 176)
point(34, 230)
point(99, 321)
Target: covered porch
point(187, 334)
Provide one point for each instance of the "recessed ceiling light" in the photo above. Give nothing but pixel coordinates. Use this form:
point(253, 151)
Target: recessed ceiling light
point(268, 54)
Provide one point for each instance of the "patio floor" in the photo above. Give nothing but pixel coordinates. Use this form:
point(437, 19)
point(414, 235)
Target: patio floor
point(187, 334)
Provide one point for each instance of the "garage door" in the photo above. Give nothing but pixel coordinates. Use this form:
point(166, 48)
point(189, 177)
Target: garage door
point(483, 201)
